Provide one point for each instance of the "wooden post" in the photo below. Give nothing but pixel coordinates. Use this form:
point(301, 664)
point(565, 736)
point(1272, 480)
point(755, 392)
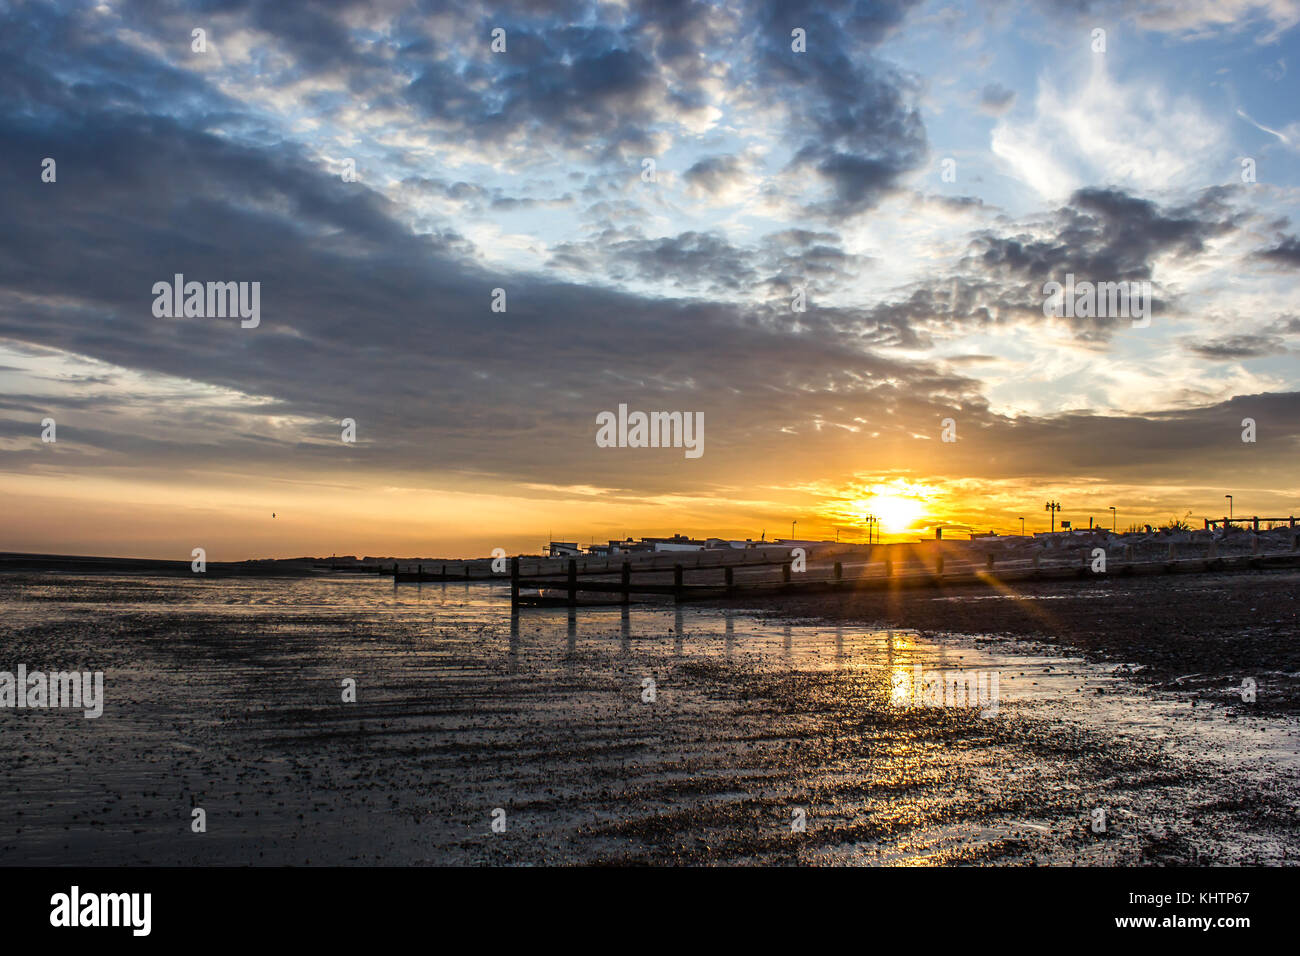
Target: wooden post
point(729, 575)
point(627, 582)
point(938, 565)
point(839, 571)
point(677, 582)
point(573, 582)
point(514, 582)
point(419, 572)
point(444, 572)
point(785, 572)
point(988, 561)
point(1171, 550)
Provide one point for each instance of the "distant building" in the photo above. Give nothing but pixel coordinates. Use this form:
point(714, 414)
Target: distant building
point(678, 542)
point(563, 549)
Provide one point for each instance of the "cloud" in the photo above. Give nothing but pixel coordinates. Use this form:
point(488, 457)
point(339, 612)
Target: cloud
point(1236, 347)
point(1285, 254)
point(996, 99)
point(1135, 136)
point(376, 295)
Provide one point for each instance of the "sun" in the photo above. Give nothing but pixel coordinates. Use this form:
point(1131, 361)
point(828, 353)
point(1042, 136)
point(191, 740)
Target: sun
point(897, 514)
point(896, 506)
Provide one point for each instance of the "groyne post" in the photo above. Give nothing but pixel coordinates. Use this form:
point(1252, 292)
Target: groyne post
point(573, 582)
point(514, 583)
point(677, 582)
point(627, 582)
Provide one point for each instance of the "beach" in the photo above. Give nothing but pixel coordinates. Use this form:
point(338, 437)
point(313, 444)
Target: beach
point(663, 734)
point(1196, 634)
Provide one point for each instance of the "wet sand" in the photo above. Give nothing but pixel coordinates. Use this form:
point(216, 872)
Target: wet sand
point(1197, 634)
point(226, 696)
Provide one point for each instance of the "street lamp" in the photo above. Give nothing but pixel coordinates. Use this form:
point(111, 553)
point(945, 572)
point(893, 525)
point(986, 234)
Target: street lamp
point(1053, 507)
point(1229, 497)
point(870, 520)
point(792, 524)
point(1022, 527)
point(1112, 519)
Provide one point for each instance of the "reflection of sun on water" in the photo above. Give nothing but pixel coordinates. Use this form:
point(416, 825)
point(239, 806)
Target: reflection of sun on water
point(900, 687)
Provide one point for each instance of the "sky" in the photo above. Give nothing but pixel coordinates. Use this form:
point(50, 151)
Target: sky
point(824, 228)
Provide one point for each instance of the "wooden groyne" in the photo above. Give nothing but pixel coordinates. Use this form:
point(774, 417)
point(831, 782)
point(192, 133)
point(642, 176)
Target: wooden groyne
point(699, 576)
point(570, 590)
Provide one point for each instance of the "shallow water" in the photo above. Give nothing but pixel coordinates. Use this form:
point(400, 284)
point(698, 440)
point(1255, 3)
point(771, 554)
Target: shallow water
point(226, 695)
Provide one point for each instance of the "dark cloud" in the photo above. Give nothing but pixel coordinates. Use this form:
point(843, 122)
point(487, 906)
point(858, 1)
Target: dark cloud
point(996, 99)
point(855, 121)
point(1236, 347)
point(711, 263)
point(1107, 235)
point(715, 174)
point(363, 318)
point(1286, 253)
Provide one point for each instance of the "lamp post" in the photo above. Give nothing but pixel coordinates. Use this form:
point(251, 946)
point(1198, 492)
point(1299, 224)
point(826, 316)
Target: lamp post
point(1229, 497)
point(1053, 507)
point(1022, 527)
point(792, 524)
point(1112, 519)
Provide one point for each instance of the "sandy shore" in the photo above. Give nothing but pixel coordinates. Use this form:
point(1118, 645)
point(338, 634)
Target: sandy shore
point(1199, 634)
point(226, 696)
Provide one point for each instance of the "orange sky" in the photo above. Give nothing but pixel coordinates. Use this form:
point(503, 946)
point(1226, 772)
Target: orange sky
point(76, 515)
